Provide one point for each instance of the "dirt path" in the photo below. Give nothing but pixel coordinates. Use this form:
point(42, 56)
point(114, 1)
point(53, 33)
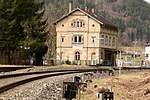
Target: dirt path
point(132, 86)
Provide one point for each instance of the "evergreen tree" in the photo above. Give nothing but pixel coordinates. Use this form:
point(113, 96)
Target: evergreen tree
point(10, 29)
point(35, 31)
point(22, 26)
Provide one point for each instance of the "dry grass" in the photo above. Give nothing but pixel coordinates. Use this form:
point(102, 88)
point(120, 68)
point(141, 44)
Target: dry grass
point(132, 86)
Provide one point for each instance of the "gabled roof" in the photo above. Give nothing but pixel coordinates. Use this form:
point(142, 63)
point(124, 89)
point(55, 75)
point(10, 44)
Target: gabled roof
point(95, 17)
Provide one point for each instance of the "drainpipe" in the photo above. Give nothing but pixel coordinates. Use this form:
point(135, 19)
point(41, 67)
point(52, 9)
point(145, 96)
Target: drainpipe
point(87, 39)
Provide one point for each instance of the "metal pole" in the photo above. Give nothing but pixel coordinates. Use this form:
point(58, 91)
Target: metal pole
point(60, 48)
point(134, 55)
point(120, 64)
point(78, 92)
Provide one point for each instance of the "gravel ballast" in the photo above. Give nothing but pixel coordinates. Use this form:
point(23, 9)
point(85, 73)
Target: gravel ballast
point(44, 89)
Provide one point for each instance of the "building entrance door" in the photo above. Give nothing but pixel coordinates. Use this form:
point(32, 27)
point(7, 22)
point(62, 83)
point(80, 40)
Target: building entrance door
point(109, 57)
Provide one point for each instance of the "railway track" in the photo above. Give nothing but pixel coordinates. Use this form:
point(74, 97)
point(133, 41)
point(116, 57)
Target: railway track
point(10, 81)
point(7, 69)
point(52, 70)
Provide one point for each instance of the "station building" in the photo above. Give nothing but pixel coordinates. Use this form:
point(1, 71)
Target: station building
point(86, 38)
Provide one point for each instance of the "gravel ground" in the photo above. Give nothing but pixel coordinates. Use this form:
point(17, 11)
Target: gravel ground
point(133, 86)
point(38, 90)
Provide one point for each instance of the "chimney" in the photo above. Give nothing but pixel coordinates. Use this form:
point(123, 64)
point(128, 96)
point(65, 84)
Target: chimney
point(86, 9)
point(70, 5)
point(93, 10)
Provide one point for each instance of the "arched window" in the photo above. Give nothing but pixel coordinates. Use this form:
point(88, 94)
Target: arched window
point(77, 23)
point(77, 55)
point(81, 24)
point(74, 23)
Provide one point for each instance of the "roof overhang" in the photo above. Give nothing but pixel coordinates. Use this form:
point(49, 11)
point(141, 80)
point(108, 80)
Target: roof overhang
point(77, 9)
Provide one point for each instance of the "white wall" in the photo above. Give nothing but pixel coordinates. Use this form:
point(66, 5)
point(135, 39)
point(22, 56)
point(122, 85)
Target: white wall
point(147, 51)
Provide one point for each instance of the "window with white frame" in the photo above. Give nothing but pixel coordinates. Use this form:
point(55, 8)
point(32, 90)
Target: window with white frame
point(62, 38)
point(78, 23)
point(102, 40)
point(113, 41)
point(110, 41)
point(106, 40)
point(81, 24)
point(93, 39)
point(77, 38)
point(74, 23)
point(77, 55)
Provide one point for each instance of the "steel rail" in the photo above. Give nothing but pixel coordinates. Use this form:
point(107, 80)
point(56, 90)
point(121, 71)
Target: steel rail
point(55, 73)
point(7, 69)
point(20, 82)
point(49, 71)
point(70, 69)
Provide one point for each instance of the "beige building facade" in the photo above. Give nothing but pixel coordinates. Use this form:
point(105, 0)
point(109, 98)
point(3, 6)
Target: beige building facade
point(85, 39)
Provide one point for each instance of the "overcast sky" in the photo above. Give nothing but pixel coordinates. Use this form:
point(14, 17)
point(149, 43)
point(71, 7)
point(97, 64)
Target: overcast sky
point(148, 1)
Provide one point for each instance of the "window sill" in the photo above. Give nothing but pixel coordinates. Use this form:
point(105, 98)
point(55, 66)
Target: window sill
point(77, 43)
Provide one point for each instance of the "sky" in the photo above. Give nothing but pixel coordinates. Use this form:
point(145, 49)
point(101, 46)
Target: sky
point(147, 0)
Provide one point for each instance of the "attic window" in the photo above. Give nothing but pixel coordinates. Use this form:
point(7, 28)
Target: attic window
point(62, 25)
point(83, 24)
point(77, 23)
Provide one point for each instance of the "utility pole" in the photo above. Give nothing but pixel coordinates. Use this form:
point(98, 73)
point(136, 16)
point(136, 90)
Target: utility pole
point(134, 42)
point(120, 64)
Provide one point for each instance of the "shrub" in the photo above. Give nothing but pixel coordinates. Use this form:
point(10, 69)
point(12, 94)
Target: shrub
point(68, 62)
point(62, 62)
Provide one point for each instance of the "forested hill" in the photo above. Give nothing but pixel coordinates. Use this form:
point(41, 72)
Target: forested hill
point(132, 16)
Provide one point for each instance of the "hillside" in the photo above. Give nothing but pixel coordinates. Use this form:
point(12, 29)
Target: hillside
point(132, 16)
